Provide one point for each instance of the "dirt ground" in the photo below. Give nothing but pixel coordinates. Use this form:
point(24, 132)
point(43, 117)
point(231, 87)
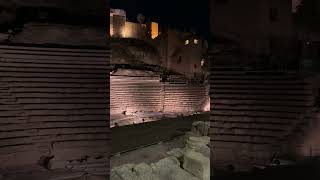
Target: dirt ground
point(134, 136)
point(148, 154)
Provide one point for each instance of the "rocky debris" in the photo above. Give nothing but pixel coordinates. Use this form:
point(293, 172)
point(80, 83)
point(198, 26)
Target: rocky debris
point(165, 166)
point(124, 172)
point(177, 152)
point(189, 163)
point(191, 134)
point(200, 128)
point(199, 144)
point(115, 176)
point(169, 169)
point(133, 172)
point(197, 164)
point(199, 141)
point(144, 171)
point(165, 169)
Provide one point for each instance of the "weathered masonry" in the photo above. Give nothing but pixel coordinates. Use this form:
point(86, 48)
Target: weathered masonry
point(256, 116)
point(132, 94)
point(54, 107)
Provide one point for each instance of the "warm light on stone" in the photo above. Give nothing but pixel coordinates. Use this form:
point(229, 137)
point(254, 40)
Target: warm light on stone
point(154, 30)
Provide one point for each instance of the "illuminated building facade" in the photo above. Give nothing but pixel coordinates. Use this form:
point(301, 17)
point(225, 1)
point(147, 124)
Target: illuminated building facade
point(183, 52)
point(121, 28)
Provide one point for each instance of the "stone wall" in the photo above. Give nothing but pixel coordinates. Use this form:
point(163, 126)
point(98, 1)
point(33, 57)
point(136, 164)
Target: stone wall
point(131, 94)
point(148, 94)
point(135, 30)
point(54, 108)
point(255, 114)
point(184, 97)
point(121, 28)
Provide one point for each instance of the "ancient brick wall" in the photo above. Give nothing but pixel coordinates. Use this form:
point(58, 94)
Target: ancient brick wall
point(184, 97)
point(133, 94)
point(54, 105)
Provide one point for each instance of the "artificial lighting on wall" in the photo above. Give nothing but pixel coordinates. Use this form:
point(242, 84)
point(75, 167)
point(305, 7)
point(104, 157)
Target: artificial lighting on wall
point(123, 32)
point(154, 30)
point(126, 32)
point(186, 42)
point(111, 31)
point(202, 62)
point(195, 41)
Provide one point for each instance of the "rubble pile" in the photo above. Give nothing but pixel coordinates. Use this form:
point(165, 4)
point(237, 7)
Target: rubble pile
point(189, 163)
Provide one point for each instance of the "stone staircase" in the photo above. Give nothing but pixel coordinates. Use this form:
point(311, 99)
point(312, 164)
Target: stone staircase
point(299, 141)
point(252, 114)
point(53, 103)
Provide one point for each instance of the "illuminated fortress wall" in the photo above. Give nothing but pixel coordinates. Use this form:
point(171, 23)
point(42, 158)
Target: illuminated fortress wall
point(134, 30)
point(120, 28)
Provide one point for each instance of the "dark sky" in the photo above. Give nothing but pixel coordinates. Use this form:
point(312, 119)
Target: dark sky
point(180, 13)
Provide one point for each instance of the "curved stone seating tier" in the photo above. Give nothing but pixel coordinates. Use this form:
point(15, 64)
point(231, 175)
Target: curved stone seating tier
point(252, 114)
point(54, 107)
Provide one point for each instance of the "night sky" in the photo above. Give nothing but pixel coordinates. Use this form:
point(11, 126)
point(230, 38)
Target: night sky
point(177, 13)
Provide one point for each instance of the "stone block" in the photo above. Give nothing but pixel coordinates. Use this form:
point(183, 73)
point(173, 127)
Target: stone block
point(169, 169)
point(203, 140)
point(145, 172)
point(166, 165)
point(125, 172)
point(204, 150)
point(177, 152)
point(190, 134)
point(114, 176)
point(180, 174)
point(197, 164)
point(133, 172)
point(201, 128)
point(199, 144)
point(166, 169)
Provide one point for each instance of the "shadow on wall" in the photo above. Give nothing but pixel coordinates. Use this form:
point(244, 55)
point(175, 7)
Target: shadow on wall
point(307, 143)
point(310, 141)
point(37, 33)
